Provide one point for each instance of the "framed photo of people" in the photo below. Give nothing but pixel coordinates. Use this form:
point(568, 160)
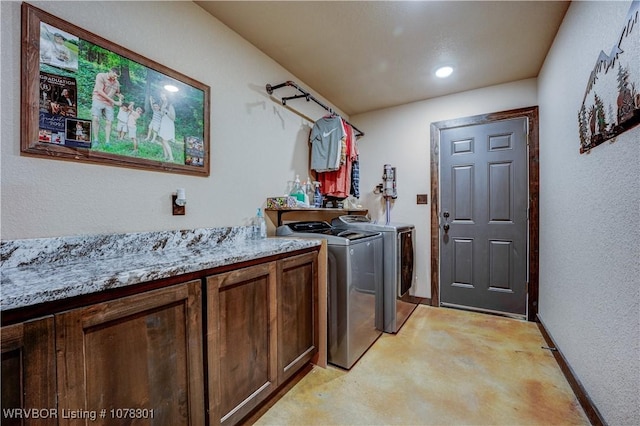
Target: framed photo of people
point(87, 99)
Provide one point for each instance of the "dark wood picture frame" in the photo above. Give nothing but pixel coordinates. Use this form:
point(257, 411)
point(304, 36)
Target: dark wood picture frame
point(185, 147)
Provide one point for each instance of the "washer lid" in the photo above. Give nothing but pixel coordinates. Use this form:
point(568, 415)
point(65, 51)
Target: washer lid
point(364, 223)
point(312, 226)
point(352, 234)
point(324, 229)
point(351, 218)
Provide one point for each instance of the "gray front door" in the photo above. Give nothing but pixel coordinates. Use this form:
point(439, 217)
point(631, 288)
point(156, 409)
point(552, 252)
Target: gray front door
point(483, 216)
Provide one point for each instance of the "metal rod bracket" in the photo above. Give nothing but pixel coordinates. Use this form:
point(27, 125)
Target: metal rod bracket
point(309, 97)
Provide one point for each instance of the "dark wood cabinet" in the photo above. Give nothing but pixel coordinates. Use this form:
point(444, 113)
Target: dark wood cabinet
point(141, 352)
point(242, 339)
point(215, 348)
point(262, 329)
point(297, 313)
point(28, 373)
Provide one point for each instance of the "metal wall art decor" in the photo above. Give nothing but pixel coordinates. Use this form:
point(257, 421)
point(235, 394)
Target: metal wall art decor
point(87, 99)
point(611, 103)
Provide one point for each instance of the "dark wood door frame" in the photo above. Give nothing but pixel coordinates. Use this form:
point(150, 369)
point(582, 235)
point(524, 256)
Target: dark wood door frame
point(531, 113)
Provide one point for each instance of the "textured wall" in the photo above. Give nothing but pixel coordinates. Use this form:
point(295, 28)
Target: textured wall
point(589, 221)
point(256, 144)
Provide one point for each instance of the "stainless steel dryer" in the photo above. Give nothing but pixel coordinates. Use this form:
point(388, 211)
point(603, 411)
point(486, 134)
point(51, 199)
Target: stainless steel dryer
point(355, 306)
point(399, 248)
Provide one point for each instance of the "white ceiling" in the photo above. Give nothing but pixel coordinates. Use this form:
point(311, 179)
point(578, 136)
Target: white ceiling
point(367, 55)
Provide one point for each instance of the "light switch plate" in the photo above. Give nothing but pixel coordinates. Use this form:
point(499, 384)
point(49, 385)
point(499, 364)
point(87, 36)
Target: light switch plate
point(422, 199)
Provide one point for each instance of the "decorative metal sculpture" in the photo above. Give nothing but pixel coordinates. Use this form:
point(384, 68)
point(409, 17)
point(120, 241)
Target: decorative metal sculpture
point(611, 103)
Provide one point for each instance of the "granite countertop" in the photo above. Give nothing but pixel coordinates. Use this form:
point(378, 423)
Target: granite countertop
point(43, 270)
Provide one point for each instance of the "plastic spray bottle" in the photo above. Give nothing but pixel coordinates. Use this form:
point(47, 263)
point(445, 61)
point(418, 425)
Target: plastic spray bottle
point(297, 191)
point(259, 226)
point(317, 196)
point(305, 192)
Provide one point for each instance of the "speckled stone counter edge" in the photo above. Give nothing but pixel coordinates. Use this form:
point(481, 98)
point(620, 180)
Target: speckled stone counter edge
point(64, 250)
point(48, 269)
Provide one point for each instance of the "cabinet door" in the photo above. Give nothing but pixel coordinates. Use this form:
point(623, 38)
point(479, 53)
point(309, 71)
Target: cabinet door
point(141, 352)
point(28, 373)
point(241, 327)
point(297, 313)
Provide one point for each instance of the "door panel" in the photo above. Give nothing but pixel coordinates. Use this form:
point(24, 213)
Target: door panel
point(500, 194)
point(499, 265)
point(463, 261)
point(463, 193)
point(484, 196)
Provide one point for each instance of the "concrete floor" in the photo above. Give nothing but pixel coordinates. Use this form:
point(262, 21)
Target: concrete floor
point(444, 367)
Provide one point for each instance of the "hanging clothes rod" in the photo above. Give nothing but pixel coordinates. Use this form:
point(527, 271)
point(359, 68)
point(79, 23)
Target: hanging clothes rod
point(309, 97)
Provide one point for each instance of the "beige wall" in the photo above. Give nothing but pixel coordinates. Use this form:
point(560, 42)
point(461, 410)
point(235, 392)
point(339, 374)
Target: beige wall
point(589, 226)
point(589, 220)
point(256, 144)
point(401, 137)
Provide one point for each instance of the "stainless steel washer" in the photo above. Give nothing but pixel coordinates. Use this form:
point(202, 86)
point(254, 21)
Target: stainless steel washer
point(355, 301)
point(399, 248)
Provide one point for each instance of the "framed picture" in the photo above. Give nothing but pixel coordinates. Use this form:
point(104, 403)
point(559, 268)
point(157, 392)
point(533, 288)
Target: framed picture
point(87, 99)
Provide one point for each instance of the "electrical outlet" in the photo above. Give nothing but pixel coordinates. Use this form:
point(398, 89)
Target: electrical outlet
point(422, 199)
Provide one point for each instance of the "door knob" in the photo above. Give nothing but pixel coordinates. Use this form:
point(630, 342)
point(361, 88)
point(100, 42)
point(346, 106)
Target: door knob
point(445, 227)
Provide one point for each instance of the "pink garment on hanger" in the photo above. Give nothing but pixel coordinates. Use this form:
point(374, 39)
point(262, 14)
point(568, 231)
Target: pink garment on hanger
point(338, 183)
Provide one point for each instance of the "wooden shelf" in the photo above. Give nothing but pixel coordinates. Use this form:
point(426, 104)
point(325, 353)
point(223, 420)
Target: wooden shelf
point(295, 214)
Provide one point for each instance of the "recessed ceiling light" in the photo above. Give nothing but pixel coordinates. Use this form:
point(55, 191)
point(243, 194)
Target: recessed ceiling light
point(444, 72)
point(171, 88)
